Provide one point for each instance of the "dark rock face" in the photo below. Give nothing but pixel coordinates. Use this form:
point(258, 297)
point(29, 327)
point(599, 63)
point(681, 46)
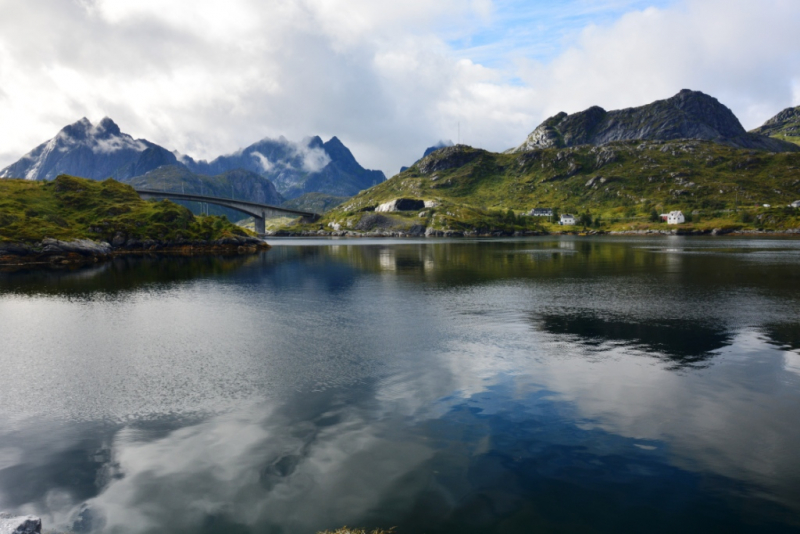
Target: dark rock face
point(92, 151)
point(448, 158)
point(687, 115)
point(785, 124)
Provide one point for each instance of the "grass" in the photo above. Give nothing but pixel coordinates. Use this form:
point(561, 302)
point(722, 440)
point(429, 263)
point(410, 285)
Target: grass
point(616, 187)
point(75, 208)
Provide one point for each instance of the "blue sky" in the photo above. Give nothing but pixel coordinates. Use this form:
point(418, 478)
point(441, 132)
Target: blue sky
point(537, 30)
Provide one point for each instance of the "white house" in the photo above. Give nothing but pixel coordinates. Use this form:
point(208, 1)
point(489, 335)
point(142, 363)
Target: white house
point(795, 204)
point(566, 220)
point(676, 217)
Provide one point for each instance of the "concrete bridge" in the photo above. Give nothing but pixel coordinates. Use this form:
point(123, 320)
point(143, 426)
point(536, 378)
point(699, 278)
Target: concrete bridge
point(259, 212)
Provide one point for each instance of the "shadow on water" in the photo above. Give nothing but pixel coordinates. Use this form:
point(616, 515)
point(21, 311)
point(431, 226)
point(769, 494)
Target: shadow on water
point(783, 335)
point(120, 275)
point(682, 343)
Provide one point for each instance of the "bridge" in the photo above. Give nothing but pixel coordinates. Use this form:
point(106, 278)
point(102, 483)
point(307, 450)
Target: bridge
point(259, 212)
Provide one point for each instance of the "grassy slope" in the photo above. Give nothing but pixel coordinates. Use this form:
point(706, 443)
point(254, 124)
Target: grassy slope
point(74, 208)
point(622, 184)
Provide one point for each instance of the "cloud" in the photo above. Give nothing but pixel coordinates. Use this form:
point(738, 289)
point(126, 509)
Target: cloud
point(314, 158)
point(262, 160)
point(388, 80)
point(741, 52)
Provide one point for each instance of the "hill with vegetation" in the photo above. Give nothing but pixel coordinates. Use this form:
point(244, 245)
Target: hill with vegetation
point(784, 126)
point(37, 218)
point(620, 186)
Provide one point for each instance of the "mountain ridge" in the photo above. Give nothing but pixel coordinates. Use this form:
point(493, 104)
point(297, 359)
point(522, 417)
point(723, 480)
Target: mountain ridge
point(785, 126)
point(103, 150)
point(687, 115)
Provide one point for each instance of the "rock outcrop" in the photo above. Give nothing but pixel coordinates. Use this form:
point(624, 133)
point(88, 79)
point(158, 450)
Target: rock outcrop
point(26, 524)
point(785, 125)
point(430, 150)
point(448, 158)
point(687, 115)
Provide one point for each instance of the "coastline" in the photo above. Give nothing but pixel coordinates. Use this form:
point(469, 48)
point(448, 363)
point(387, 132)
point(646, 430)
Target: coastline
point(794, 232)
point(53, 253)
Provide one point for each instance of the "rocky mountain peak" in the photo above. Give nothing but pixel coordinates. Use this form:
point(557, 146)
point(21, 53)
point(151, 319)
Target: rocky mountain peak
point(785, 126)
point(787, 115)
point(107, 127)
point(687, 115)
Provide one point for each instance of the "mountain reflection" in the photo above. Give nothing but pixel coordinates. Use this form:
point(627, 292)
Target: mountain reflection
point(783, 335)
point(120, 275)
point(682, 343)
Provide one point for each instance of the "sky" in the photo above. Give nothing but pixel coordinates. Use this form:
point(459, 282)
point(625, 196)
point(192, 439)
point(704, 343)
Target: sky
point(207, 77)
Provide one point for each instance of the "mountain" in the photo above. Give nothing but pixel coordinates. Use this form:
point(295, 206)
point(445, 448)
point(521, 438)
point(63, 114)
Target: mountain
point(92, 151)
point(297, 168)
point(102, 151)
point(430, 150)
point(316, 202)
point(687, 115)
point(238, 183)
point(785, 126)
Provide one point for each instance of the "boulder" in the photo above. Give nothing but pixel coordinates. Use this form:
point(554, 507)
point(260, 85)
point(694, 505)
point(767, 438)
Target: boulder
point(24, 524)
point(84, 247)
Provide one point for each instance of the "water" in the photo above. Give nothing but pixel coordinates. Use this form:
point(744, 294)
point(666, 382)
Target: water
point(536, 385)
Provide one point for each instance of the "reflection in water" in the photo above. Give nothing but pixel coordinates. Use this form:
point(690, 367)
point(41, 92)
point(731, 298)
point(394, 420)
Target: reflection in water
point(437, 386)
point(685, 343)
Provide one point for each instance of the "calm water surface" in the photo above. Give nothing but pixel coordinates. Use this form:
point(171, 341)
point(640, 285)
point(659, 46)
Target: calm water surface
point(537, 385)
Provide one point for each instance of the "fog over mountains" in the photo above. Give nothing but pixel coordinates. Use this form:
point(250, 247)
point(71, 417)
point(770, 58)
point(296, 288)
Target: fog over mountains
point(102, 151)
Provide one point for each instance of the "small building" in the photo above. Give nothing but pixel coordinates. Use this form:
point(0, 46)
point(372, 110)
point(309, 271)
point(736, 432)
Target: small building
point(795, 204)
point(566, 220)
point(676, 217)
point(541, 212)
point(664, 216)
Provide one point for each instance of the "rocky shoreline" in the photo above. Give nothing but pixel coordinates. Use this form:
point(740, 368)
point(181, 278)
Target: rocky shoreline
point(55, 253)
point(477, 233)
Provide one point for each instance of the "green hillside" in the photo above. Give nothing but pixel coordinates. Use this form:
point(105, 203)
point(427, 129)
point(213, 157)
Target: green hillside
point(623, 185)
point(75, 208)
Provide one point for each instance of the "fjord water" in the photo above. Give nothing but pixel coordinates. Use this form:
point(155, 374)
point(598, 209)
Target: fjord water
point(522, 385)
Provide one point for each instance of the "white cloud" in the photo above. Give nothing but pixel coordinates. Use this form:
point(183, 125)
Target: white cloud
point(262, 160)
point(204, 79)
point(742, 52)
